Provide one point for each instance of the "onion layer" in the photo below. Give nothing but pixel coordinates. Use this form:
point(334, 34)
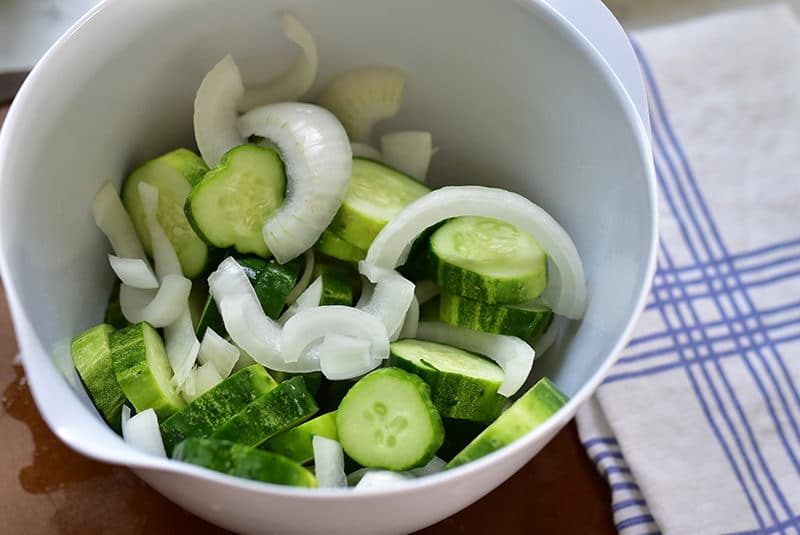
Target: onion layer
point(141, 431)
point(215, 111)
point(113, 220)
point(134, 272)
point(410, 152)
point(328, 462)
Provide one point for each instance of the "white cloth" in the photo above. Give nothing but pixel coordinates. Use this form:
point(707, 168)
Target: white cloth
point(697, 428)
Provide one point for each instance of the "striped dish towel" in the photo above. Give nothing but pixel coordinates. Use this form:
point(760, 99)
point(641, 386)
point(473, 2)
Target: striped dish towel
point(697, 427)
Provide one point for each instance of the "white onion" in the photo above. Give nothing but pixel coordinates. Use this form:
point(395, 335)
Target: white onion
point(311, 297)
point(113, 220)
point(346, 357)
point(389, 299)
point(296, 80)
point(410, 152)
point(426, 290)
point(141, 431)
point(205, 377)
point(362, 150)
point(316, 152)
point(328, 462)
point(513, 355)
point(381, 479)
point(434, 466)
point(134, 272)
point(411, 323)
point(228, 279)
point(305, 279)
point(550, 336)
point(164, 256)
point(219, 352)
point(182, 346)
point(159, 307)
point(215, 111)
point(566, 289)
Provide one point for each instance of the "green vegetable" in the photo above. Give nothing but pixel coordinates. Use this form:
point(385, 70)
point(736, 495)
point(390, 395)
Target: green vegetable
point(513, 320)
point(332, 245)
point(296, 443)
point(114, 316)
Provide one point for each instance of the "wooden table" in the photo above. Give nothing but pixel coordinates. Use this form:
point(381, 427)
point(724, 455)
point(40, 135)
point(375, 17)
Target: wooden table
point(48, 489)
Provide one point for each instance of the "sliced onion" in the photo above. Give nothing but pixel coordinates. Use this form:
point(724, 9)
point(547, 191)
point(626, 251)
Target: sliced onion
point(381, 479)
point(141, 431)
point(328, 462)
point(113, 220)
point(566, 289)
point(311, 297)
point(134, 272)
point(509, 352)
point(411, 323)
point(305, 279)
point(362, 96)
point(164, 256)
point(296, 80)
point(426, 290)
point(182, 346)
point(410, 152)
point(205, 378)
point(230, 279)
point(434, 466)
point(389, 299)
point(317, 322)
point(159, 307)
point(215, 111)
point(245, 359)
point(187, 389)
point(550, 336)
point(316, 152)
point(362, 150)
point(217, 351)
point(346, 357)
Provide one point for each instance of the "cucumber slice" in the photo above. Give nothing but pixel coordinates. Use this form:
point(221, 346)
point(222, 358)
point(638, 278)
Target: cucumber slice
point(174, 174)
point(229, 206)
point(376, 194)
point(285, 406)
point(463, 384)
point(332, 245)
point(513, 320)
point(297, 443)
point(91, 355)
point(526, 414)
point(242, 461)
point(313, 380)
point(212, 409)
point(143, 371)
point(387, 420)
point(488, 260)
point(113, 315)
point(337, 288)
point(457, 434)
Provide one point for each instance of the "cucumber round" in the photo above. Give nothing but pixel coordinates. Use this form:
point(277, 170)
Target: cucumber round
point(513, 320)
point(488, 260)
point(229, 206)
point(463, 384)
point(91, 355)
point(242, 461)
point(526, 414)
point(388, 420)
point(174, 174)
point(143, 371)
point(332, 245)
point(297, 443)
point(376, 194)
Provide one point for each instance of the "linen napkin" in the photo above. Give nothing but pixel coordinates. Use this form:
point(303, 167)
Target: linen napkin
point(697, 427)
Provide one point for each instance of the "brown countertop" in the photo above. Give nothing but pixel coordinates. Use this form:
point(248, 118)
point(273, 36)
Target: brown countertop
point(48, 489)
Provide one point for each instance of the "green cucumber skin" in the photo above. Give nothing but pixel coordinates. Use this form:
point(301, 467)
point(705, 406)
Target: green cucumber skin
point(192, 251)
point(134, 352)
point(337, 247)
point(457, 434)
point(287, 405)
point(297, 442)
point(313, 380)
point(498, 319)
point(453, 395)
point(456, 280)
point(215, 407)
point(245, 462)
point(91, 355)
point(336, 289)
point(113, 315)
point(210, 317)
point(526, 414)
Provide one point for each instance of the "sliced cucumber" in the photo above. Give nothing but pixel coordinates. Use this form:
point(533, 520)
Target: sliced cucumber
point(331, 393)
point(113, 315)
point(457, 434)
point(143, 371)
point(376, 194)
point(285, 406)
point(174, 174)
point(387, 420)
point(513, 320)
point(337, 288)
point(332, 245)
point(242, 461)
point(91, 355)
point(206, 413)
point(296, 443)
point(313, 380)
point(488, 260)
point(229, 206)
point(526, 414)
point(463, 384)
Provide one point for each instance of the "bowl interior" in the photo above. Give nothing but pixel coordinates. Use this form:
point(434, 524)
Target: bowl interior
point(512, 100)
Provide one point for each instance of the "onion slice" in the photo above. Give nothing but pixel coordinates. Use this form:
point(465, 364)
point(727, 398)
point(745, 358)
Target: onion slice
point(134, 272)
point(141, 431)
point(411, 323)
point(215, 111)
point(296, 80)
point(389, 299)
point(305, 279)
point(434, 466)
point(311, 297)
point(328, 462)
point(159, 307)
point(362, 150)
point(509, 352)
point(164, 256)
point(345, 357)
point(380, 479)
point(409, 151)
point(113, 220)
point(425, 290)
point(217, 351)
point(566, 289)
point(205, 377)
point(318, 159)
point(182, 347)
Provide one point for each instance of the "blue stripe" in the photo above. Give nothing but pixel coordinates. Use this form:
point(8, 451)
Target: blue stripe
point(605, 455)
point(615, 470)
point(737, 257)
point(627, 503)
point(634, 521)
point(624, 486)
point(609, 441)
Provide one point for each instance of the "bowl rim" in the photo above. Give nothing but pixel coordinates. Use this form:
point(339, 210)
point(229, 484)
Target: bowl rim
point(128, 456)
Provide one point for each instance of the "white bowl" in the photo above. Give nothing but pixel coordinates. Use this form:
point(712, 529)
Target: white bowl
point(515, 96)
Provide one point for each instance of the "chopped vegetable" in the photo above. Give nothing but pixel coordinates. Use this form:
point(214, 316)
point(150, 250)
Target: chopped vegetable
point(525, 321)
point(215, 111)
point(329, 462)
point(141, 431)
point(134, 272)
point(410, 152)
point(296, 443)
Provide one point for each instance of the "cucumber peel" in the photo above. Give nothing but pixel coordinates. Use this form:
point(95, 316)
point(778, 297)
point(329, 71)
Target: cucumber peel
point(297, 443)
point(513, 320)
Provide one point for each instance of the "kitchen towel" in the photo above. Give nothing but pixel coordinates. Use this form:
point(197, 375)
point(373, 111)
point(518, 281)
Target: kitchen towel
point(697, 427)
